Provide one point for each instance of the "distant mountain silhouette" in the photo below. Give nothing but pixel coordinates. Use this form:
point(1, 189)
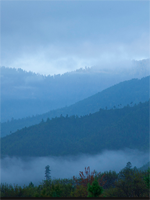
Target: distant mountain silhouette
point(25, 94)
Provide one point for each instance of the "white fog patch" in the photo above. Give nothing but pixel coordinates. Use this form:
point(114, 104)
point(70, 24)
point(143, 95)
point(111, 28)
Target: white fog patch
point(59, 59)
point(20, 171)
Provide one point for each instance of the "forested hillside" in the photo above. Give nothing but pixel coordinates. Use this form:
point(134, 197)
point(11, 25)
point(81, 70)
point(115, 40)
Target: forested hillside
point(112, 129)
point(119, 95)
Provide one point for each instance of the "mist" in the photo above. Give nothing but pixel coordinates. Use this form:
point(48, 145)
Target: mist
point(21, 171)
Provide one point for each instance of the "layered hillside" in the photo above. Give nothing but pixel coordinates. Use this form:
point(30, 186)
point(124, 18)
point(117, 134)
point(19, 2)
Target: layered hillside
point(119, 95)
point(114, 129)
point(25, 93)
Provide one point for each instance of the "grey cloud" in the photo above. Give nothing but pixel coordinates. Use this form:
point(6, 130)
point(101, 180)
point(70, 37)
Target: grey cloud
point(42, 36)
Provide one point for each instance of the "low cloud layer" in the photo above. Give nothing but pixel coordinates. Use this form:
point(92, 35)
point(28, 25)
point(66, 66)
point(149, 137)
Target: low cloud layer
point(22, 171)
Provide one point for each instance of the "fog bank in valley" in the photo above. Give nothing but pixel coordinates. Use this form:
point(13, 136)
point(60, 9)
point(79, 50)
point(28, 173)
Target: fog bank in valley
point(15, 170)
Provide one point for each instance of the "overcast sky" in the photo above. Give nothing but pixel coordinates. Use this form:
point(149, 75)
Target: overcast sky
point(53, 37)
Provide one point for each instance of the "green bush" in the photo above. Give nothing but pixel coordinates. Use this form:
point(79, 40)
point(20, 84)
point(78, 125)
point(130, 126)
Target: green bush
point(94, 190)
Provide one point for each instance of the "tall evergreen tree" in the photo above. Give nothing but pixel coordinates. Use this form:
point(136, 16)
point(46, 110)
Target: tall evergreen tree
point(47, 172)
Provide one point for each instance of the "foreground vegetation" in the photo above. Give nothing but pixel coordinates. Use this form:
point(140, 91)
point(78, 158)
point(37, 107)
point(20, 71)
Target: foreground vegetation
point(129, 182)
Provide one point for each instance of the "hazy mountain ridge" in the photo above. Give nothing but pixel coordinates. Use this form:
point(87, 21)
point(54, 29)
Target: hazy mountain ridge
point(49, 93)
point(25, 93)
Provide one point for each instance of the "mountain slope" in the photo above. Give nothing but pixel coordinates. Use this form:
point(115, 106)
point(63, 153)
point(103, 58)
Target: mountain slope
point(119, 95)
point(113, 129)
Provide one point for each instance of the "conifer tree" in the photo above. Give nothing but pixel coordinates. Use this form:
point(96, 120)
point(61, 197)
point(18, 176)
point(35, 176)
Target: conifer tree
point(47, 172)
point(95, 189)
point(147, 179)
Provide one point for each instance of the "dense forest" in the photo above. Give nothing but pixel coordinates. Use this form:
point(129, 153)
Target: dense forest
point(119, 95)
point(112, 129)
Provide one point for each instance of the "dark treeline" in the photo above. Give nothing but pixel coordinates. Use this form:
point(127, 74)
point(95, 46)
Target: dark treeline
point(129, 182)
point(112, 129)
